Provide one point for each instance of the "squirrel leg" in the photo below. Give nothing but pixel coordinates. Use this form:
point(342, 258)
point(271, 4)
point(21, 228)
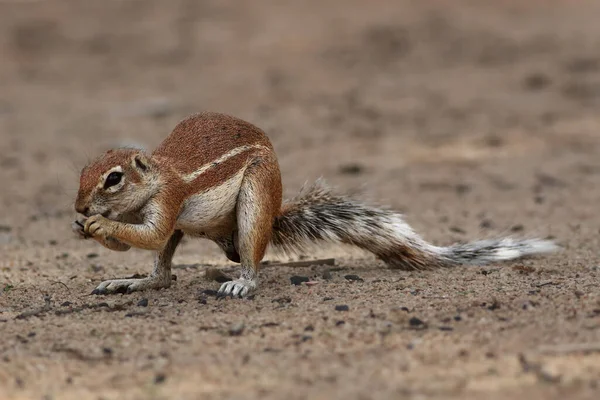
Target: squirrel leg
point(259, 200)
point(159, 278)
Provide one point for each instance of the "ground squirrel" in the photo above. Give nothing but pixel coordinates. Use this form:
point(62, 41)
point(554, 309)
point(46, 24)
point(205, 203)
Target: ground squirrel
point(217, 177)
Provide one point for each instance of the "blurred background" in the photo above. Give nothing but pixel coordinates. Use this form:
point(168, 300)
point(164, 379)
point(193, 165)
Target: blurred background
point(459, 113)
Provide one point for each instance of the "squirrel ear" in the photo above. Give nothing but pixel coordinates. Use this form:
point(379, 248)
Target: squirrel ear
point(140, 162)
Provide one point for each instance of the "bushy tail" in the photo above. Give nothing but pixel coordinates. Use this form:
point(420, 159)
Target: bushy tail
point(317, 215)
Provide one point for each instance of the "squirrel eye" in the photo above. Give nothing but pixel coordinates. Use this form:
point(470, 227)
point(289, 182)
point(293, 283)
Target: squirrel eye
point(112, 179)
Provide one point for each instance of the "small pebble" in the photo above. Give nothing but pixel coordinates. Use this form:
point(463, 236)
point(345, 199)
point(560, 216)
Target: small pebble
point(342, 307)
point(135, 314)
point(538, 199)
point(353, 278)
point(160, 378)
point(416, 322)
point(517, 228)
point(297, 280)
point(327, 275)
point(341, 322)
point(96, 268)
point(236, 329)
point(66, 304)
point(456, 229)
point(282, 300)
point(143, 303)
point(309, 328)
point(486, 224)
point(462, 188)
point(327, 298)
point(351, 169)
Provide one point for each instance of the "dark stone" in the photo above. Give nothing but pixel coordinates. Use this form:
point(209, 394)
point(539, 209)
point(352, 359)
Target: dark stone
point(160, 378)
point(143, 303)
point(297, 280)
point(351, 169)
point(517, 228)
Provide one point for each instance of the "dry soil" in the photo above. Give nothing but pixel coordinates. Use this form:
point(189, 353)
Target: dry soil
point(474, 118)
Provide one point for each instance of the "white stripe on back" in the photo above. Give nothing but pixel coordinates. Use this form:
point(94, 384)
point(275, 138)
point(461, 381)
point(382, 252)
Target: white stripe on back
point(238, 150)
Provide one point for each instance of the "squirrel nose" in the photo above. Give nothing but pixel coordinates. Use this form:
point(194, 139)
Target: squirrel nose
point(82, 210)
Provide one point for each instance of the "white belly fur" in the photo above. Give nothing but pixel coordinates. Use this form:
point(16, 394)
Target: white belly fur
point(208, 210)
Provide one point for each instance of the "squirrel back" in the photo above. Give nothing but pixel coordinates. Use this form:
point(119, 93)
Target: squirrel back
point(207, 137)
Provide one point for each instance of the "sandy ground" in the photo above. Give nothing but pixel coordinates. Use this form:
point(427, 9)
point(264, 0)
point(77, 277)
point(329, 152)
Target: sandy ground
point(477, 119)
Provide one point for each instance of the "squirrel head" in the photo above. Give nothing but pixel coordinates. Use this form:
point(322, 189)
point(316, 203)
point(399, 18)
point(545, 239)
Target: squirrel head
point(118, 182)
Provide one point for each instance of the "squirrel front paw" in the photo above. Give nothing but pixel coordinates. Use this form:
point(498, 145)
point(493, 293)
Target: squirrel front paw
point(78, 226)
point(98, 227)
point(124, 286)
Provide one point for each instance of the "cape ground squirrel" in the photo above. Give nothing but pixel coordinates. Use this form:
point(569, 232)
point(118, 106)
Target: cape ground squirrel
point(217, 177)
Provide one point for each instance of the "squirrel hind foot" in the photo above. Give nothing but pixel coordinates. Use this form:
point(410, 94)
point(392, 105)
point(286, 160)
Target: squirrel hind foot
point(238, 288)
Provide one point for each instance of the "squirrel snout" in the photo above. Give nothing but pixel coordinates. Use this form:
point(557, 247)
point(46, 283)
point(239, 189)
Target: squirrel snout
point(84, 210)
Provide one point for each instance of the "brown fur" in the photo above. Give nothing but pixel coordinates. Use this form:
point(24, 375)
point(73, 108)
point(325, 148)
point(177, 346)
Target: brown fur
point(221, 172)
point(202, 138)
point(260, 197)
